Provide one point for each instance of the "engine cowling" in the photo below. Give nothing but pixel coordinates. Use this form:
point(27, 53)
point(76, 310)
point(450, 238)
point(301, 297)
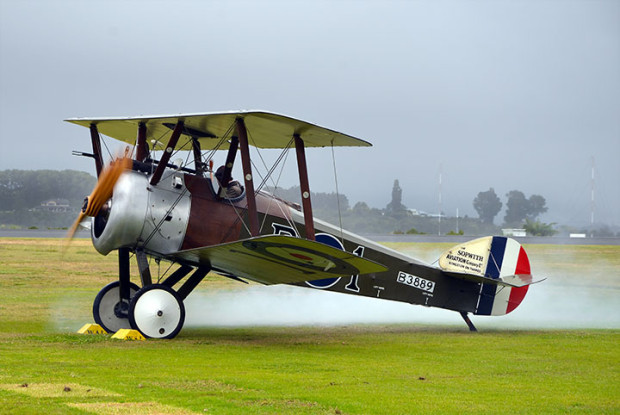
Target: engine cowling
point(139, 215)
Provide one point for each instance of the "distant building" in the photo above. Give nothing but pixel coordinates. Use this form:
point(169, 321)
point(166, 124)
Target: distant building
point(514, 232)
point(55, 205)
point(577, 235)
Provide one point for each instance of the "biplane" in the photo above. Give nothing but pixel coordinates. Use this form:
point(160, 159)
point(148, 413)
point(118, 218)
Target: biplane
point(148, 207)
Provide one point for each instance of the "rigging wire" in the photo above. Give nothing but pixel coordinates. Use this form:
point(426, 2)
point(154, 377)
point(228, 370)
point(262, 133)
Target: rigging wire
point(239, 218)
point(211, 152)
point(179, 197)
point(282, 158)
point(269, 176)
point(337, 193)
point(158, 226)
point(160, 276)
point(105, 145)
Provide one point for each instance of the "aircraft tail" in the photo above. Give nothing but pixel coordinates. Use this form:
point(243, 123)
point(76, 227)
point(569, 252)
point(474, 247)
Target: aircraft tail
point(499, 264)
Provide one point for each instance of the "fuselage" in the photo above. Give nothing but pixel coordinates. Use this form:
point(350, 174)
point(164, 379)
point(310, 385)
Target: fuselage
point(184, 212)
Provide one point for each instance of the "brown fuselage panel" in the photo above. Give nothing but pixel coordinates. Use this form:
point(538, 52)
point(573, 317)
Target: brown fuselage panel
point(211, 222)
point(214, 220)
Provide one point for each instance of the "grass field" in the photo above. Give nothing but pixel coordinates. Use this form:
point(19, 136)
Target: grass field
point(353, 369)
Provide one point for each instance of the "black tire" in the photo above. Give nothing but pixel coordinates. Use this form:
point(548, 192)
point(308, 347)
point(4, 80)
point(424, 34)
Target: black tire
point(105, 307)
point(157, 311)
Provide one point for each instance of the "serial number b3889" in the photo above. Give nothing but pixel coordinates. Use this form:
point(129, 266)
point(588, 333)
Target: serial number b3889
point(415, 282)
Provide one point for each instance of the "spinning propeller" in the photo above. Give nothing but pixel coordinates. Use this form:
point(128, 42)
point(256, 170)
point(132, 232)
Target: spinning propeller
point(102, 191)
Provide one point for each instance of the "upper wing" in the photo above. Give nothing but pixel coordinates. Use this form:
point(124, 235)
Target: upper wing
point(280, 260)
point(265, 129)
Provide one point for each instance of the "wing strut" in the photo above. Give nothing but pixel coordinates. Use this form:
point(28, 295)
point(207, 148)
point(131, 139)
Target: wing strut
point(305, 186)
point(247, 176)
point(163, 162)
point(94, 138)
point(142, 151)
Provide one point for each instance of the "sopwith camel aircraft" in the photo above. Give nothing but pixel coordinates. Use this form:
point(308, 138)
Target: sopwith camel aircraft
point(187, 214)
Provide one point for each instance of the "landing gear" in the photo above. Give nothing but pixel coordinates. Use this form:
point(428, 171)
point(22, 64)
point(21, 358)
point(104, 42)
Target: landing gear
point(157, 311)
point(468, 321)
point(109, 311)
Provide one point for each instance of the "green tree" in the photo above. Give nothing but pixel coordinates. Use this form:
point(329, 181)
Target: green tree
point(516, 208)
point(26, 189)
point(536, 206)
point(320, 201)
point(488, 205)
point(539, 228)
point(519, 208)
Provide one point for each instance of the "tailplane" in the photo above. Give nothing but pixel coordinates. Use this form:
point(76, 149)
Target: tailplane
point(499, 264)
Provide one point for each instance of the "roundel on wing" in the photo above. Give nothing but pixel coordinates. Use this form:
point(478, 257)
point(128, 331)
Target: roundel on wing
point(330, 240)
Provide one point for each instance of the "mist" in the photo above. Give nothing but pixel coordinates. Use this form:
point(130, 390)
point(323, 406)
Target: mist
point(502, 94)
point(548, 305)
point(579, 292)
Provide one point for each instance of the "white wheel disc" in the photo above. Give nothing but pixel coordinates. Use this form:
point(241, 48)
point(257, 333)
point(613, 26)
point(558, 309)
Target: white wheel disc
point(157, 313)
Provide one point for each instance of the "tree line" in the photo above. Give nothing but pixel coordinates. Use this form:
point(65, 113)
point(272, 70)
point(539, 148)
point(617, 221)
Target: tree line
point(27, 189)
point(22, 192)
point(518, 207)
point(521, 211)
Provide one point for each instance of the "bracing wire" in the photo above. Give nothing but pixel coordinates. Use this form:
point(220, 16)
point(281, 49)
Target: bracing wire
point(160, 275)
point(211, 152)
point(169, 210)
point(105, 145)
point(282, 159)
point(178, 199)
point(337, 193)
point(269, 176)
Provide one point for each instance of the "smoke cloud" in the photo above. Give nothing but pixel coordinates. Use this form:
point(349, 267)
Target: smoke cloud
point(547, 305)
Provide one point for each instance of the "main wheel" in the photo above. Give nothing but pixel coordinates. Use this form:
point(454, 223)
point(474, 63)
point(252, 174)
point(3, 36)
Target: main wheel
point(157, 311)
point(108, 311)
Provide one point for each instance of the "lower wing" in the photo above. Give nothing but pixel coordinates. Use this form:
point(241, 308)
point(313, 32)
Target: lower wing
point(279, 260)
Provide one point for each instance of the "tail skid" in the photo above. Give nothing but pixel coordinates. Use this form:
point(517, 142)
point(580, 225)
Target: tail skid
point(468, 321)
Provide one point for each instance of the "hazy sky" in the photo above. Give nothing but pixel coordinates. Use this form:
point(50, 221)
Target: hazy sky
point(503, 94)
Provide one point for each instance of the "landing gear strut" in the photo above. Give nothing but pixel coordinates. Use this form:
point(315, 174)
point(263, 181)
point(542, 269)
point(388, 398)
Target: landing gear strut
point(468, 321)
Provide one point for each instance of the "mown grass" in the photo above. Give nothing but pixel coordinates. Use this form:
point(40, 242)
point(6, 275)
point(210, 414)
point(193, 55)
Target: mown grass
point(382, 369)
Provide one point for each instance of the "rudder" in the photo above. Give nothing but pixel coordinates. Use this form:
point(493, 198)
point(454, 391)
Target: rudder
point(492, 257)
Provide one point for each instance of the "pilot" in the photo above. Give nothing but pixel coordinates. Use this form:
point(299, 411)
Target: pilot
point(233, 188)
